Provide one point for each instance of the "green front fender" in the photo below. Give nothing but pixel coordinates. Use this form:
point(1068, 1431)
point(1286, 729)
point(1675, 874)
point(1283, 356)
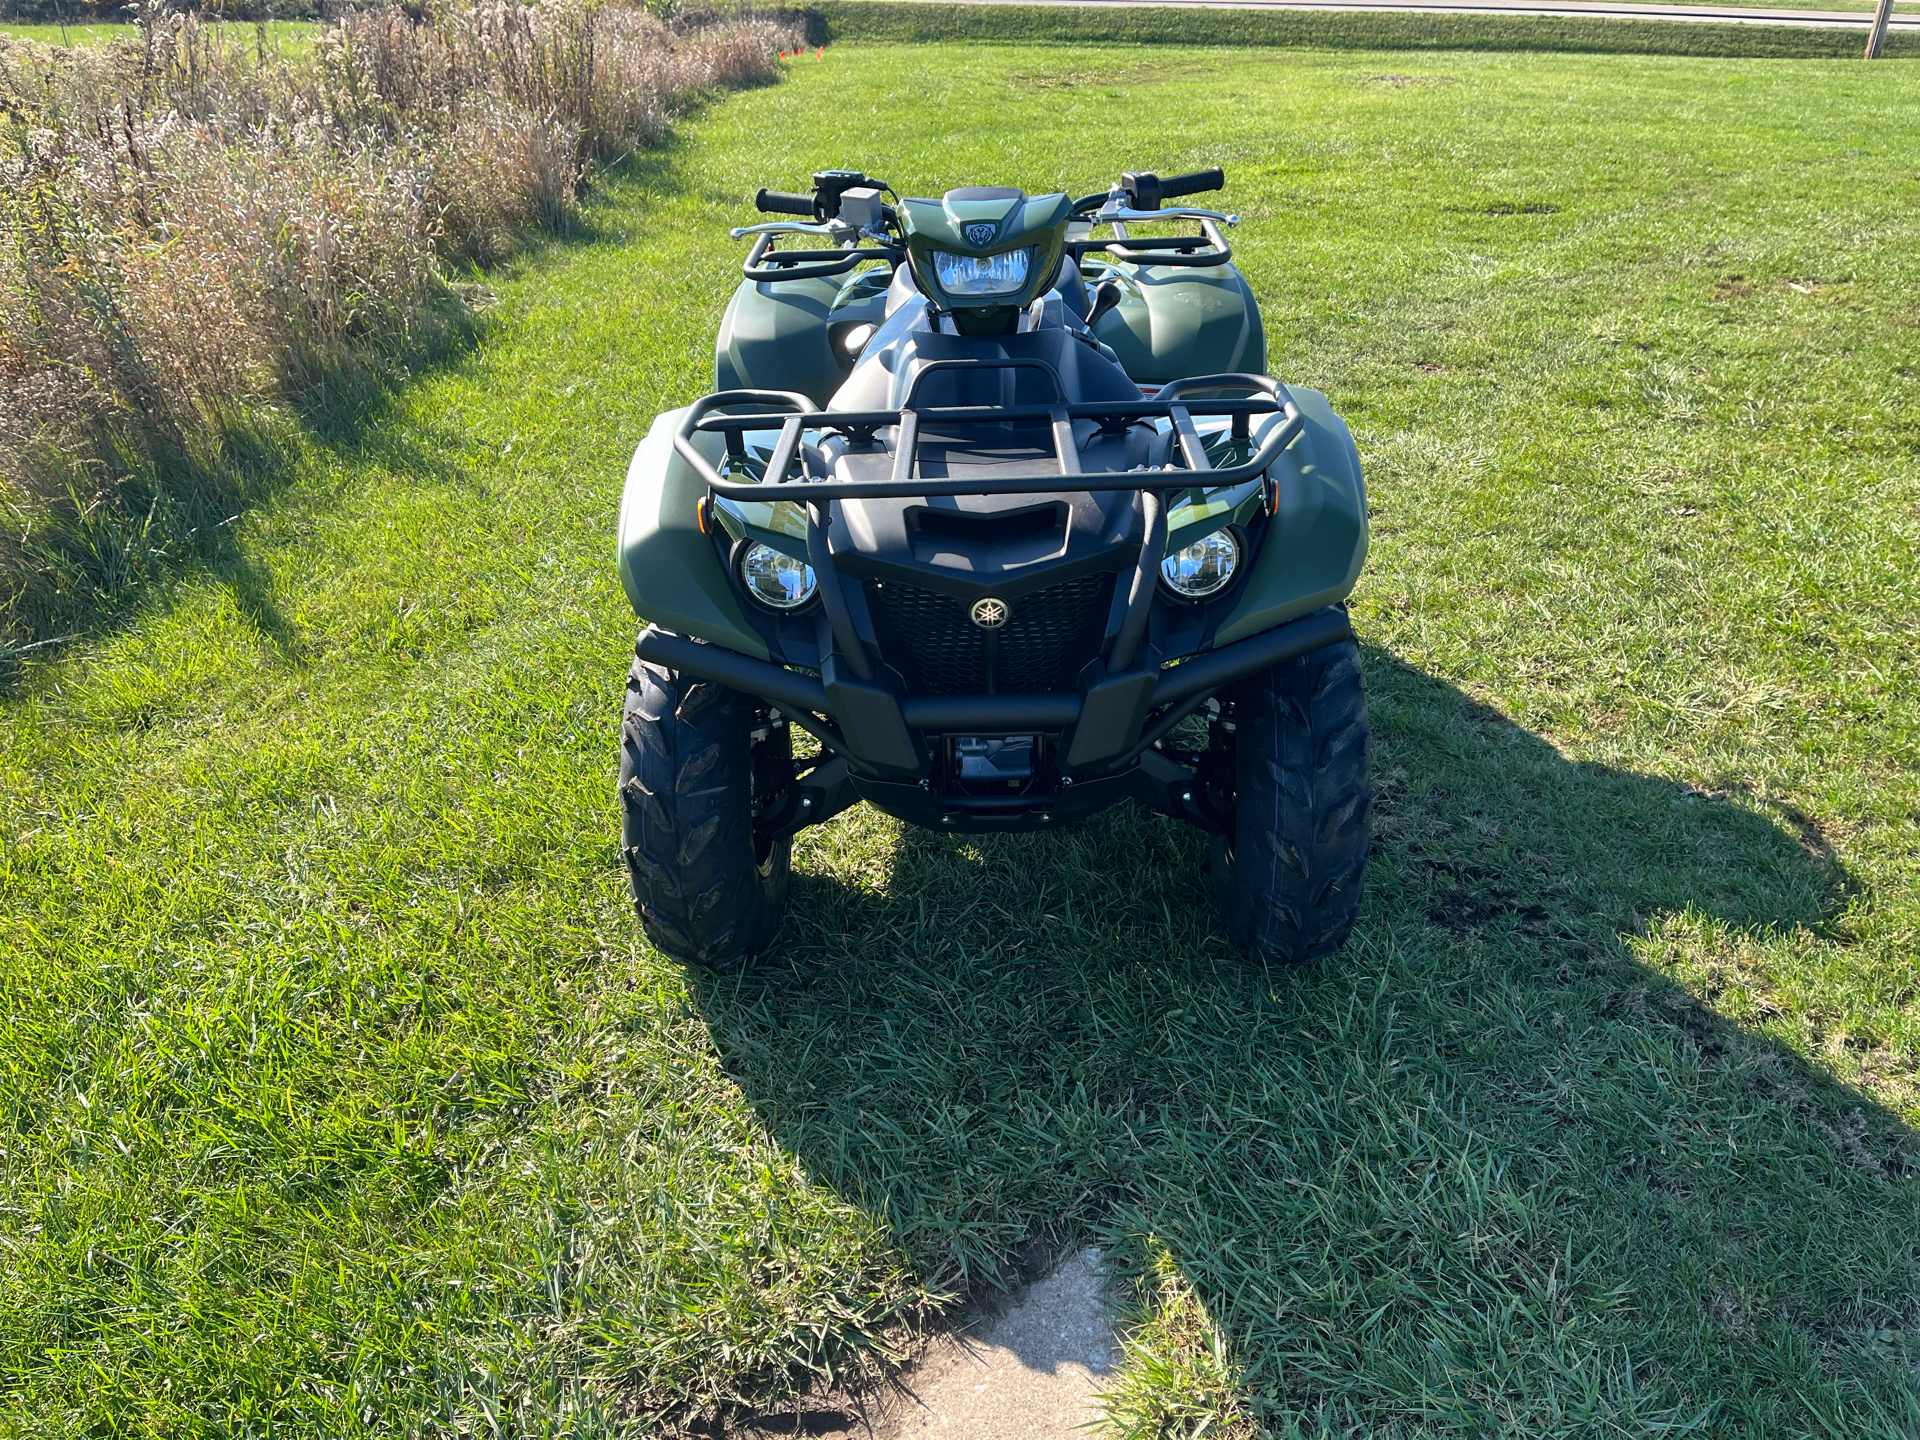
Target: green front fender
point(1315, 545)
point(668, 568)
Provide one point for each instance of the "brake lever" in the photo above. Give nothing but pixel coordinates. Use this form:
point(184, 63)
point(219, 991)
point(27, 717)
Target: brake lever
point(1113, 211)
point(791, 227)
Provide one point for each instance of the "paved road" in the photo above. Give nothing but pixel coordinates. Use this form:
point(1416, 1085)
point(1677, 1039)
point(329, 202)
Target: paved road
point(1589, 9)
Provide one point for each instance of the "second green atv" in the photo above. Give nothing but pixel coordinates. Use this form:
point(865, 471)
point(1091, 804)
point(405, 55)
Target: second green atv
point(989, 506)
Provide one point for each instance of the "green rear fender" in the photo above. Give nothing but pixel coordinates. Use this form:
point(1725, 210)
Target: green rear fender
point(1314, 547)
point(1173, 322)
point(671, 574)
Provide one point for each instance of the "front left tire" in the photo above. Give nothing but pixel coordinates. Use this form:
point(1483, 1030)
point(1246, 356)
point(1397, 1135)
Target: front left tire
point(707, 888)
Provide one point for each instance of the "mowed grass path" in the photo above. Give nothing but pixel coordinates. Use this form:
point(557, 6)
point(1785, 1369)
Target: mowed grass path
point(343, 1096)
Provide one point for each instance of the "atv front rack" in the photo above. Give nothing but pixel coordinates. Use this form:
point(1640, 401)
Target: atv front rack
point(1123, 707)
point(861, 427)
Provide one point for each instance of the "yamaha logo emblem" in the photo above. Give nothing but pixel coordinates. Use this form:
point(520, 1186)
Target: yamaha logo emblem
point(989, 613)
point(980, 234)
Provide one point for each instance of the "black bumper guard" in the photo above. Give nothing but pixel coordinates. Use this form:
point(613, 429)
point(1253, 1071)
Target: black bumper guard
point(795, 691)
point(1131, 765)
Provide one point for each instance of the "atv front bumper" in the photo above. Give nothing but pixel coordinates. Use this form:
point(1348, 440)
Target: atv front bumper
point(1103, 736)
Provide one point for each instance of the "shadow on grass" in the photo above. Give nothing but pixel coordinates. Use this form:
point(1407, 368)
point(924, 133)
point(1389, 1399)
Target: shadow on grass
point(1486, 1173)
point(172, 512)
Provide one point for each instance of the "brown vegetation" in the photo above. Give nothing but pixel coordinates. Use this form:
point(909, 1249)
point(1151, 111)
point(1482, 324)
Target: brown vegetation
point(191, 228)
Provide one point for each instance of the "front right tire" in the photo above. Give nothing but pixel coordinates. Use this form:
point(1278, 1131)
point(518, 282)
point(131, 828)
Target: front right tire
point(1288, 879)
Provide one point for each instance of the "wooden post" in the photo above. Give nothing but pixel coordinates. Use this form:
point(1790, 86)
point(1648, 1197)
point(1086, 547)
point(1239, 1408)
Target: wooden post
point(1877, 36)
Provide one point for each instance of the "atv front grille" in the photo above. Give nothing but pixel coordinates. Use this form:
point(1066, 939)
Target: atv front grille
point(1048, 636)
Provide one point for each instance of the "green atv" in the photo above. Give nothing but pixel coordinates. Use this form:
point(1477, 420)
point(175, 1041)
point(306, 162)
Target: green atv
point(1006, 518)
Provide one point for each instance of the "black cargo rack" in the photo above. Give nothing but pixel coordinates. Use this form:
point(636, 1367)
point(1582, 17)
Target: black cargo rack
point(1108, 719)
point(862, 426)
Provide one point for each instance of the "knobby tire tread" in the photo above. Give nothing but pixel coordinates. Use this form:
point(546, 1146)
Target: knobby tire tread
point(1289, 885)
point(686, 802)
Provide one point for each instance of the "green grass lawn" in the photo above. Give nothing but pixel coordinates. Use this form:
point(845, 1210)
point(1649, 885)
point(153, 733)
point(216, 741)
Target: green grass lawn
point(343, 1096)
point(284, 36)
point(900, 22)
point(69, 34)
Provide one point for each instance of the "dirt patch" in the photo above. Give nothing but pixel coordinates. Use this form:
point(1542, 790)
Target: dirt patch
point(1093, 78)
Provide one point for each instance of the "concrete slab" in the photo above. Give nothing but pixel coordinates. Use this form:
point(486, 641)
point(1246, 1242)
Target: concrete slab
point(1030, 1373)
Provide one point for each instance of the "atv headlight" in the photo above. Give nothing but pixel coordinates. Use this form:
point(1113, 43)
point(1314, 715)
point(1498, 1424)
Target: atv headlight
point(1000, 274)
point(1206, 567)
point(775, 578)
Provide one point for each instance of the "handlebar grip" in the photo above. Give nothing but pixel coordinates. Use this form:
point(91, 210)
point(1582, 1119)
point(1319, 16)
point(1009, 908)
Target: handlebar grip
point(1146, 190)
point(781, 202)
point(1193, 184)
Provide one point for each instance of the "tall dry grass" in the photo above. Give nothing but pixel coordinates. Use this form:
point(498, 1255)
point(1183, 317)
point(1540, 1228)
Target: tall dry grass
point(191, 230)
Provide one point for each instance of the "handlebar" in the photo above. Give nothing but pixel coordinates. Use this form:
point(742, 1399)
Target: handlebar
point(824, 203)
point(1147, 190)
point(782, 202)
point(1142, 190)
